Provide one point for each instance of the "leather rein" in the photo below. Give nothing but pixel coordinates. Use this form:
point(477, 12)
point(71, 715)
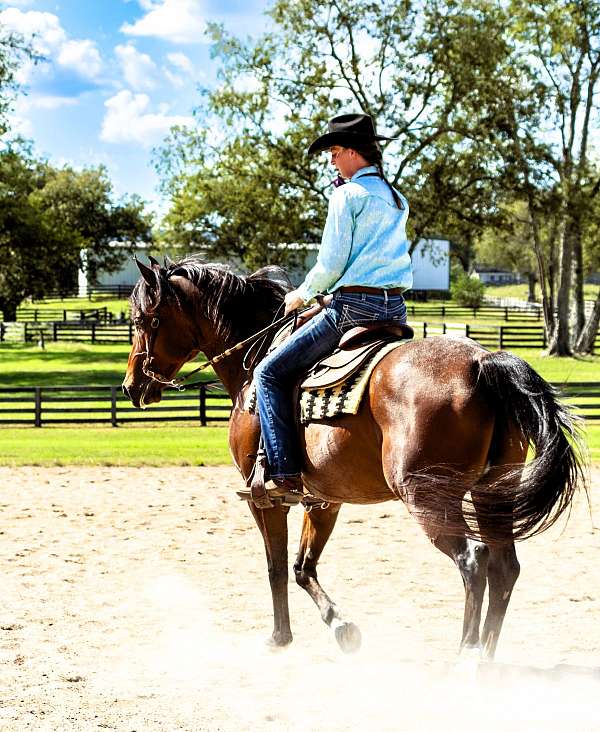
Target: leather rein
point(180, 383)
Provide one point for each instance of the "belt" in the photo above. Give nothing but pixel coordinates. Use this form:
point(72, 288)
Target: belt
point(371, 290)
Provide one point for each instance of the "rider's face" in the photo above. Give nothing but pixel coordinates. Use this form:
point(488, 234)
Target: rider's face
point(345, 160)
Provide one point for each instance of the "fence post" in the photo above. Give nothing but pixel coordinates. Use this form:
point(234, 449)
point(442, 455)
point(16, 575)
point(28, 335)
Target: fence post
point(55, 331)
point(202, 405)
point(37, 419)
point(424, 329)
point(93, 332)
point(113, 406)
point(467, 330)
point(64, 314)
point(501, 338)
point(443, 328)
point(443, 313)
point(505, 316)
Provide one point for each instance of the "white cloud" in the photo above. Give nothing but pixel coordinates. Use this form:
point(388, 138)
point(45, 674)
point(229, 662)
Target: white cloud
point(81, 56)
point(179, 21)
point(49, 39)
point(138, 68)
point(181, 61)
point(50, 102)
point(182, 70)
point(46, 27)
point(128, 120)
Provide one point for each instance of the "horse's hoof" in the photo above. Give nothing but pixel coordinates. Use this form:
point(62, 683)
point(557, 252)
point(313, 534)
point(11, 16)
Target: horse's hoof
point(279, 640)
point(348, 637)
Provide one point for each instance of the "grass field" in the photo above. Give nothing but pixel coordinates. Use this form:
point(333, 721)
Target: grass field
point(135, 446)
point(72, 364)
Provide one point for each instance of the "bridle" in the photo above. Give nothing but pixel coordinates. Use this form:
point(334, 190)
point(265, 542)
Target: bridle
point(180, 383)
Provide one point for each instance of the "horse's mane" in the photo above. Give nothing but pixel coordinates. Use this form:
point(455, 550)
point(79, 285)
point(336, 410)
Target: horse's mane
point(236, 304)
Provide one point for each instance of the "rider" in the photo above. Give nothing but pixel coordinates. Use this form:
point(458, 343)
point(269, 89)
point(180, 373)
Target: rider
point(363, 261)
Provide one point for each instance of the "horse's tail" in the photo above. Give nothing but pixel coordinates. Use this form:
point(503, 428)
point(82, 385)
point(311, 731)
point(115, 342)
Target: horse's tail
point(534, 498)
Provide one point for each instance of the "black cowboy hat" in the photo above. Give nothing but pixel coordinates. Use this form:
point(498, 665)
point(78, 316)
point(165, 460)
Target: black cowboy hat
point(347, 130)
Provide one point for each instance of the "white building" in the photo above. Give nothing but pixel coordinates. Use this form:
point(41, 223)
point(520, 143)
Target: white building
point(431, 266)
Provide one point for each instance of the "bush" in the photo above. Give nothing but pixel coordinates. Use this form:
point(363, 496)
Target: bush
point(467, 291)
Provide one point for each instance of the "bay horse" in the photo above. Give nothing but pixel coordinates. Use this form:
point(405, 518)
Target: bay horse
point(444, 426)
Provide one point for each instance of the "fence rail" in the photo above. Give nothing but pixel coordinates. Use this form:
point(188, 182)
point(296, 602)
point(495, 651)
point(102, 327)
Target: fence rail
point(506, 313)
point(490, 336)
point(48, 315)
point(38, 406)
point(45, 405)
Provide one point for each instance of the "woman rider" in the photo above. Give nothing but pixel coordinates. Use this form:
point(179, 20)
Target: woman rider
point(363, 261)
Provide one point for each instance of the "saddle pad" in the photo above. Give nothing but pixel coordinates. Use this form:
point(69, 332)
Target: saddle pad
point(344, 398)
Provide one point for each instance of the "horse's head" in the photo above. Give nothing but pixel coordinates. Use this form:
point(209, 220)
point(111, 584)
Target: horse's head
point(165, 333)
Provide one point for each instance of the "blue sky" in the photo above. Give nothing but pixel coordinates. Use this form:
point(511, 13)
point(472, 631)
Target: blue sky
point(117, 75)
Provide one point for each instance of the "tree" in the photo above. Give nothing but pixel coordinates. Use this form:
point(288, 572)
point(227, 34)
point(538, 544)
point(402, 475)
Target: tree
point(557, 49)
point(411, 65)
point(13, 51)
point(47, 217)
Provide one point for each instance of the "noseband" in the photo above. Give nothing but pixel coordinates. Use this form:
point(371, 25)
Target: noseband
point(181, 383)
point(146, 370)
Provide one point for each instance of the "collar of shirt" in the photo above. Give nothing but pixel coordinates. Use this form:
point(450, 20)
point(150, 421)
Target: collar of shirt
point(364, 171)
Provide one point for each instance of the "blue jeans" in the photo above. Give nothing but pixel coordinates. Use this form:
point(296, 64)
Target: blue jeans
point(280, 370)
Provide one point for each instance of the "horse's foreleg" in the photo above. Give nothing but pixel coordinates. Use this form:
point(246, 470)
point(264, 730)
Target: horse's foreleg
point(272, 523)
point(316, 530)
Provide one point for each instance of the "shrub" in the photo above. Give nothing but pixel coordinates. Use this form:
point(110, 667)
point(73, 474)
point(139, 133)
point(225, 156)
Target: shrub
point(467, 291)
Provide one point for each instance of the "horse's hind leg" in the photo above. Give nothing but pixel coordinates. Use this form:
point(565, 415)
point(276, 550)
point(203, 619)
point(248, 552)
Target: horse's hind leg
point(272, 523)
point(316, 530)
point(503, 572)
point(471, 558)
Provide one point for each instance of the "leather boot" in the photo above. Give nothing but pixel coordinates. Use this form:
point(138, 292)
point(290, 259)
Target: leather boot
point(290, 484)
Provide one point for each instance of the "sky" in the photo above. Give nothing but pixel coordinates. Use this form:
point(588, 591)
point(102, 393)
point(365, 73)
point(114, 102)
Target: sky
point(116, 75)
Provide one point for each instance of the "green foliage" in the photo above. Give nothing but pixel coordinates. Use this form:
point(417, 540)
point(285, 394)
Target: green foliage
point(14, 50)
point(417, 68)
point(467, 291)
point(48, 216)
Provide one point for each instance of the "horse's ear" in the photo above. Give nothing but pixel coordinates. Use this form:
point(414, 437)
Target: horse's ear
point(154, 262)
point(168, 262)
point(147, 273)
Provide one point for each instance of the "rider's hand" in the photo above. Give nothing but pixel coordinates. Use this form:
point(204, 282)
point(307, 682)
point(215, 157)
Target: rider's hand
point(293, 301)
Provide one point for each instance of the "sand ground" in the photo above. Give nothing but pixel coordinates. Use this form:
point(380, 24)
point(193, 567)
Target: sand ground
point(137, 599)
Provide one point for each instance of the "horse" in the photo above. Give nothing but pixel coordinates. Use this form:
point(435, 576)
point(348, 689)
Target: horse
point(444, 426)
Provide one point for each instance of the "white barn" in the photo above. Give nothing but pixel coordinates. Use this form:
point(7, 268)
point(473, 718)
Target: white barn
point(431, 266)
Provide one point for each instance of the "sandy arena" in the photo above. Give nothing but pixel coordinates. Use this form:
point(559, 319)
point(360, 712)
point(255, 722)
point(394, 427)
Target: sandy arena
point(137, 599)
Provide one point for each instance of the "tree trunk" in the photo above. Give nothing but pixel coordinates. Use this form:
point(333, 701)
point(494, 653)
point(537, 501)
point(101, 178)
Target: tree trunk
point(560, 344)
point(9, 309)
point(587, 337)
point(531, 282)
point(579, 301)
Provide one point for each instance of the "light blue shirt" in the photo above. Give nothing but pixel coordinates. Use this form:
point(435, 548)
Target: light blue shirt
point(364, 240)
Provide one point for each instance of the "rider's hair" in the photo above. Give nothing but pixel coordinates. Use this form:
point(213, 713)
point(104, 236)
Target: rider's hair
point(371, 152)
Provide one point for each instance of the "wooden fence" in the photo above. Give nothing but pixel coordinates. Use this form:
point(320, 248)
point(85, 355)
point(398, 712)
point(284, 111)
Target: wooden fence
point(45, 405)
point(495, 312)
point(49, 315)
point(37, 406)
point(490, 336)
